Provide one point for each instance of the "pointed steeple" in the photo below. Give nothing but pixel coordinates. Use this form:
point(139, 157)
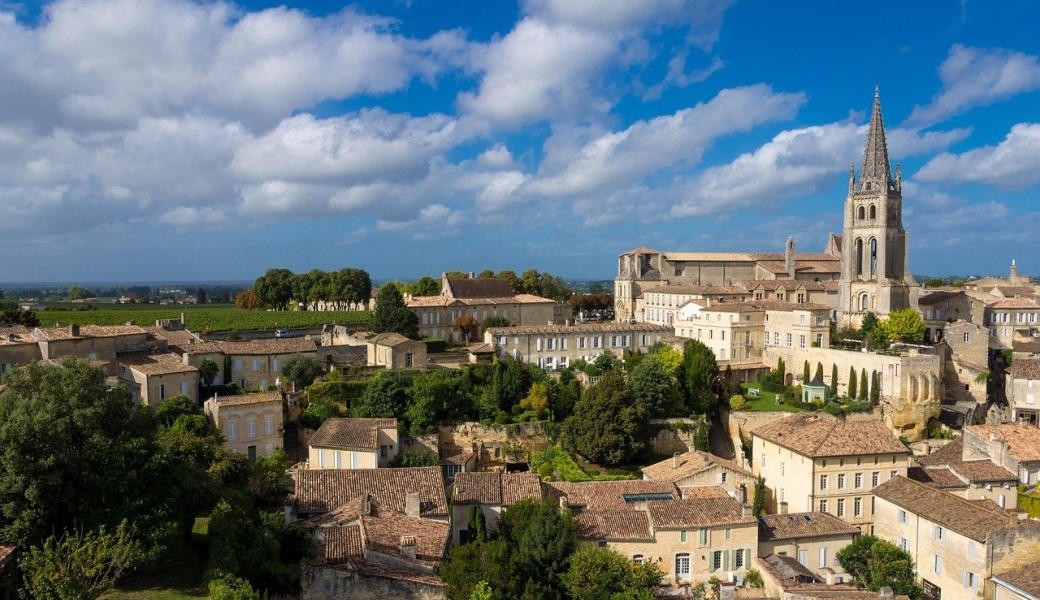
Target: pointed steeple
point(876, 169)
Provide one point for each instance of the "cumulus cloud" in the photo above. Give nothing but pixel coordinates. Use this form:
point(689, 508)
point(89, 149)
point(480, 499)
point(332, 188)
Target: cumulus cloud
point(1011, 164)
point(434, 221)
point(795, 162)
point(617, 159)
point(977, 77)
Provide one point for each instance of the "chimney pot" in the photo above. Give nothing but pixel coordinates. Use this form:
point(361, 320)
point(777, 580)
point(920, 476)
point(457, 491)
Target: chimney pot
point(74, 330)
point(676, 461)
point(408, 546)
point(783, 508)
point(564, 503)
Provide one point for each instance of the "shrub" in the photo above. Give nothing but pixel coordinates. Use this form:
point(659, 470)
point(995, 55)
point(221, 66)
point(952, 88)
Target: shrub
point(434, 344)
point(415, 459)
point(737, 402)
point(754, 578)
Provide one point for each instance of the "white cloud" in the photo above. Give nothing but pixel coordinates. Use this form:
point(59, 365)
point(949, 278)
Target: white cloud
point(434, 221)
point(795, 162)
point(618, 159)
point(977, 77)
point(1011, 164)
point(365, 147)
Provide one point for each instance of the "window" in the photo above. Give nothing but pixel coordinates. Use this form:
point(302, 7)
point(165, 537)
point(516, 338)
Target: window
point(788, 340)
point(823, 506)
point(184, 388)
point(162, 391)
point(682, 536)
point(738, 558)
point(702, 536)
point(823, 557)
point(841, 507)
point(938, 564)
point(275, 364)
point(581, 343)
point(858, 480)
point(256, 364)
point(321, 459)
point(938, 534)
point(783, 469)
point(729, 533)
point(337, 459)
point(875, 479)
point(409, 360)
point(682, 566)
point(857, 507)
point(841, 481)
point(970, 581)
point(823, 482)
point(268, 425)
point(716, 560)
point(764, 459)
point(801, 341)
point(232, 430)
point(638, 559)
point(251, 428)
point(903, 544)
point(803, 558)
point(902, 516)
point(971, 549)
point(967, 336)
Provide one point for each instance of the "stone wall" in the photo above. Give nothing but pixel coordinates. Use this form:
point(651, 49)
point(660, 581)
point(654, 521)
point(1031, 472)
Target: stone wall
point(667, 437)
point(912, 383)
point(319, 582)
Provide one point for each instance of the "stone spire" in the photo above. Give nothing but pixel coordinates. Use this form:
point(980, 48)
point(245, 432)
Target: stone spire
point(876, 169)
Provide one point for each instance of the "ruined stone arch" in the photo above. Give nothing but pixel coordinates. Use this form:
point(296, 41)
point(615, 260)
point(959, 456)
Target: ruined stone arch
point(935, 387)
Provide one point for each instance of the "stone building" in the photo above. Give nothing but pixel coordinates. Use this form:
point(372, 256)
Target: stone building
point(395, 351)
point(811, 538)
point(1022, 583)
point(1014, 446)
point(696, 469)
point(17, 347)
point(814, 462)
point(971, 479)
point(492, 493)
point(956, 545)
point(252, 365)
point(551, 346)
point(353, 444)
point(1023, 390)
point(251, 424)
point(154, 376)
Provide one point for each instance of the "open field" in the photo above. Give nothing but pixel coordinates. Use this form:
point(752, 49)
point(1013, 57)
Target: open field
point(199, 318)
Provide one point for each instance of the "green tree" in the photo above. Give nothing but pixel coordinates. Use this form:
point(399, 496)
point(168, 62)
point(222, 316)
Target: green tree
point(248, 300)
point(875, 563)
point(467, 326)
point(436, 397)
point(385, 395)
point(208, 370)
point(869, 323)
point(603, 574)
point(537, 398)
point(425, 286)
point(834, 380)
point(77, 292)
point(805, 372)
point(541, 539)
point(608, 426)
point(495, 321)
point(904, 325)
point(302, 369)
point(469, 565)
point(934, 282)
point(224, 586)
point(758, 503)
point(391, 315)
point(699, 377)
point(852, 382)
point(274, 288)
point(875, 388)
point(863, 386)
point(78, 565)
point(12, 314)
point(476, 524)
point(655, 388)
point(819, 371)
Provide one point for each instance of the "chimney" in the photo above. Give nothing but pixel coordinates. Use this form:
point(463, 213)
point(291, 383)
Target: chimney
point(745, 511)
point(182, 319)
point(411, 504)
point(676, 461)
point(886, 592)
point(366, 506)
point(408, 546)
point(74, 330)
point(12, 337)
point(789, 256)
point(783, 508)
point(564, 504)
point(742, 494)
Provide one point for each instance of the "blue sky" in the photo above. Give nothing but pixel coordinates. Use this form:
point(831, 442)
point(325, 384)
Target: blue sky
point(170, 139)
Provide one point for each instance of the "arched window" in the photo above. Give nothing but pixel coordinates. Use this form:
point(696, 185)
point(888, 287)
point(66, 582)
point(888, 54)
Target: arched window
point(859, 257)
point(862, 214)
point(873, 257)
point(873, 212)
point(864, 302)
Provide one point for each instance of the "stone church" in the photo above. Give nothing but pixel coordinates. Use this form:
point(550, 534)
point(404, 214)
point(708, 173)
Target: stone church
point(866, 267)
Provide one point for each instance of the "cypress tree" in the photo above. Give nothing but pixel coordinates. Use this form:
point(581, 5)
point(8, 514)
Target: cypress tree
point(875, 388)
point(782, 368)
point(852, 383)
point(863, 390)
point(819, 371)
point(834, 380)
point(805, 372)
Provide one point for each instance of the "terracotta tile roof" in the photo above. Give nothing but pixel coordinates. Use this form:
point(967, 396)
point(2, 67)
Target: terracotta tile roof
point(951, 457)
point(254, 348)
point(613, 524)
point(86, 331)
point(640, 250)
point(982, 471)
point(1014, 303)
point(952, 512)
point(939, 296)
point(802, 525)
point(343, 543)
point(6, 553)
point(764, 305)
point(254, 398)
point(787, 284)
point(390, 339)
point(15, 334)
point(1016, 290)
point(495, 489)
point(424, 301)
point(607, 494)
point(588, 328)
point(321, 490)
point(705, 290)
point(1030, 346)
point(1025, 368)
point(479, 288)
point(178, 338)
point(940, 477)
point(820, 435)
point(455, 456)
point(830, 285)
point(787, 569)
point(151, 363)
point(833, 265)
point(952, 452)
point(1022, 440)
point(1025, 578)
point(383, 530)
point(351, 434)
point(703, 491)
point(690, 463)
point(691, 513)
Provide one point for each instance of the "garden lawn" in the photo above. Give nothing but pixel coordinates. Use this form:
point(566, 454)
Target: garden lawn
point(765, 402)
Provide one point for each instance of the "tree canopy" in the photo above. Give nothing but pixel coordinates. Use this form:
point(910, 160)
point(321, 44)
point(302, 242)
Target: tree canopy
point(608, 426)
point(391, 315)
point(875, 563)
point(904, 325)
point(302, 369)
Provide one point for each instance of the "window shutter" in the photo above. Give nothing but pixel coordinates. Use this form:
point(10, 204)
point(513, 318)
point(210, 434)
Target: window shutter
point(539, 344)
point(563, 343)
point(964, 578)
point(747, 558)
point(725, 560)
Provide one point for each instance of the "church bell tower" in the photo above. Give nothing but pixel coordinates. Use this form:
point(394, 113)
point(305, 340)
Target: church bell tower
point(875, 274)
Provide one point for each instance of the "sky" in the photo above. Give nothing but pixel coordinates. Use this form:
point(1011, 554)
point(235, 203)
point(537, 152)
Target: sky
point(145, 140)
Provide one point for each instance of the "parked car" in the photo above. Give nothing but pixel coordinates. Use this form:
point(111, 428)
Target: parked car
point(283, 333)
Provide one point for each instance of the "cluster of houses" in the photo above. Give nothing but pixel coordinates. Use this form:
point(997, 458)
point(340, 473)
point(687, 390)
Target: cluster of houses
point(828, 481)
